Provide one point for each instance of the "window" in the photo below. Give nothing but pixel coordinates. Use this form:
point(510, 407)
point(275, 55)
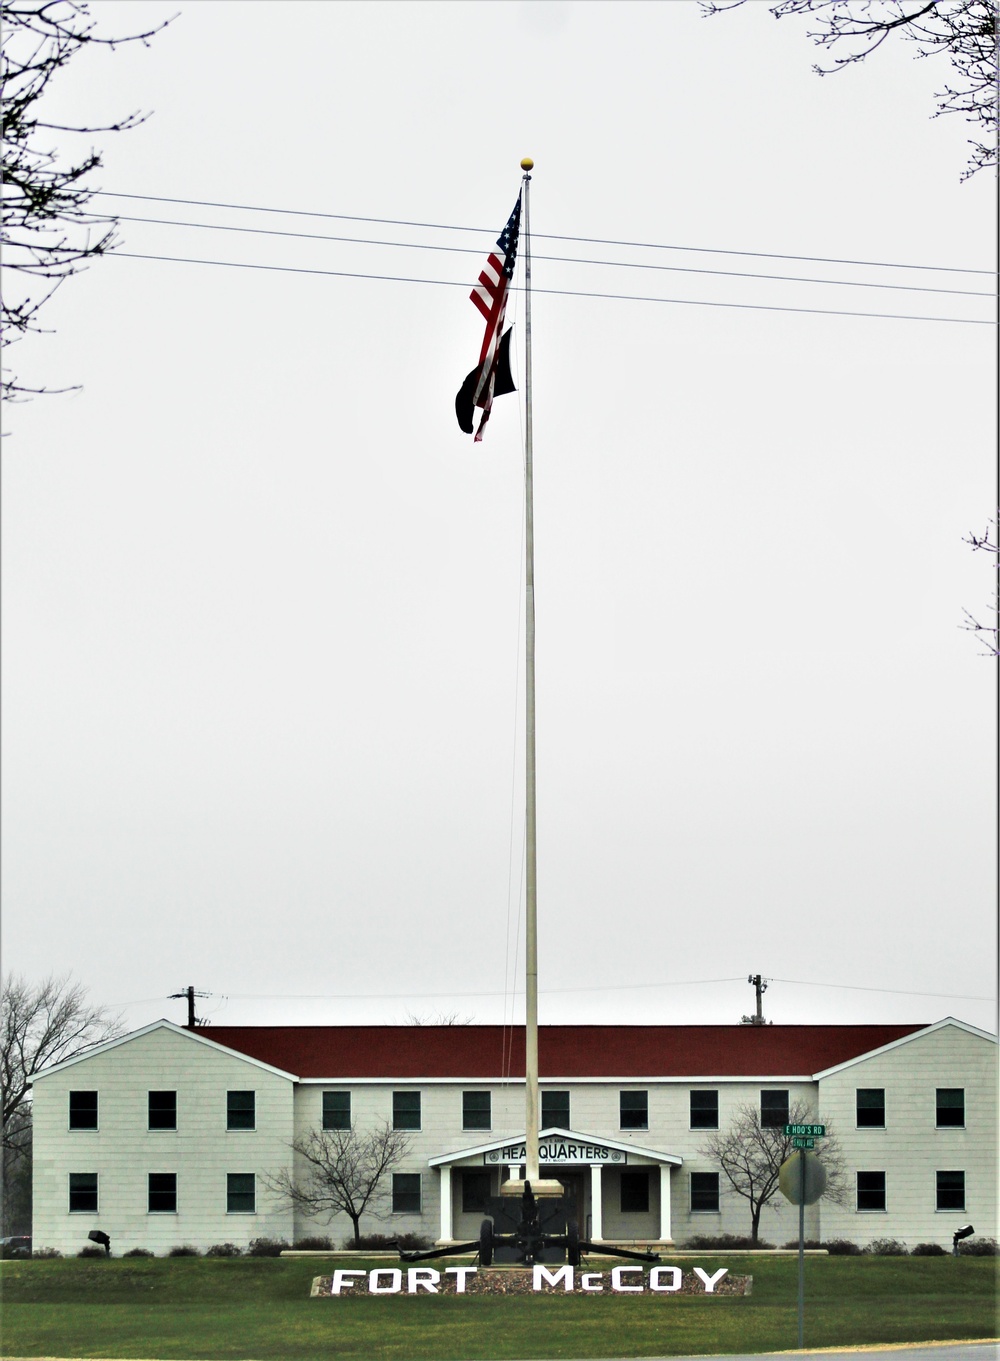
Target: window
point(162, 1110)
point(704, 1192)
point(241, 1110)
point(241, 1193)
point(406, 1193)
point(406, 1110)
point(476, 1190)
point(773, 1109)
point(871, 1190)
point(951, 1190)
point(950, 1107)
point(162, 1193)
point(633, 1110)
point(871, 1107)
point(555, 1110)
point(83, 1193)
point(704, 1110)
point(83, 1110)
point(635, 1193)
point(476, 1111)
point(336, 1110)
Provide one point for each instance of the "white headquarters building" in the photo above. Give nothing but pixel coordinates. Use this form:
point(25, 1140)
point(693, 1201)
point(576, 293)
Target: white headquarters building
point(166, 1136)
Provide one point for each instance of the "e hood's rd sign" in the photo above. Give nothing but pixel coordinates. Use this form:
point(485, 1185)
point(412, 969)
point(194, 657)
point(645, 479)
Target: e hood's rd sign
point(470, 1280)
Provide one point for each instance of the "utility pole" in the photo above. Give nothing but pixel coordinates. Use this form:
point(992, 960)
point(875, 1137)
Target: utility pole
point(760, 986)
point(190, 994)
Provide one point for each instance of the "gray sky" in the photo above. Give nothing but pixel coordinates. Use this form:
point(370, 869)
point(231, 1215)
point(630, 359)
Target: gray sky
point(263, 721)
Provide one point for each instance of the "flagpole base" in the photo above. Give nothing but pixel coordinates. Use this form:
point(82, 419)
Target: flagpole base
point(544, 1187)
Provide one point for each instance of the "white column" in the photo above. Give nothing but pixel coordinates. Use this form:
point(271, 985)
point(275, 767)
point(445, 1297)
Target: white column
point(447, 1234)
point(514, 1172)
point(665, 1236)
point(596, 1221)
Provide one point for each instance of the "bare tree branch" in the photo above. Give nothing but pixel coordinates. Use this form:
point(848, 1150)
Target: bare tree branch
point(344, 1172)
point(750, 1155)
point(48, 229)
point(988, 634)
point(964, 30)
point(41, 1024)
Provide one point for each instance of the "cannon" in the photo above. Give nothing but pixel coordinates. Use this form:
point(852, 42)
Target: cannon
point(540, 1225)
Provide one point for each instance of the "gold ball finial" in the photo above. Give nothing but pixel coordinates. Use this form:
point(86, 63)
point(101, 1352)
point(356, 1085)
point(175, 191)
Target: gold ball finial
point(527, 163)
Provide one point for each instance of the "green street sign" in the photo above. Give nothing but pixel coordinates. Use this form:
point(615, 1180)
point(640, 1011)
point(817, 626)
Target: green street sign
point(799, 1142)
point(806, 1131)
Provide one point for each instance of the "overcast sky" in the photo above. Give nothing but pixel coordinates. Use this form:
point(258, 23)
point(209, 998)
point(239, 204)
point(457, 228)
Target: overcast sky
point(263, 719)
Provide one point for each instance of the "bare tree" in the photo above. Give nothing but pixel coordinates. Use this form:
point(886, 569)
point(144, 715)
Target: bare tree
point(49, 232)
point(988, 634)
point(442, 1018)
point(344, 1172)
point(964, 30)
point(41, 1024)
point(750, 1155)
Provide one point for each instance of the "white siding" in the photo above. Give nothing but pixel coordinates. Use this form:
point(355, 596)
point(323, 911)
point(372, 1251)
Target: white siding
point(202, 1151)
point(910, 1149)
point(122, 1151)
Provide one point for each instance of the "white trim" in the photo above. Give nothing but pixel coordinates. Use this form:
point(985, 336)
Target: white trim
point(906, 1039)
point(174, 1029)
point(559, 1082)
point(554, 1131)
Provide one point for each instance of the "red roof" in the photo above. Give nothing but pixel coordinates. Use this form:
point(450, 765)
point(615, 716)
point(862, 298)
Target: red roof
point(584, 1051)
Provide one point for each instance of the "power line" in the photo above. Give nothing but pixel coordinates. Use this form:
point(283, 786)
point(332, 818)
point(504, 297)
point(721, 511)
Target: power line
point(557, 292)
point(900, 992)
point(557, 259)
point(543, 236)
point(600, 987)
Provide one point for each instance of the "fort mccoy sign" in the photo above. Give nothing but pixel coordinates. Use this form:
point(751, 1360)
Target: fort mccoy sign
point(540, 1280)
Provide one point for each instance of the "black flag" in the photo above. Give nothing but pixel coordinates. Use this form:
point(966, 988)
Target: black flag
point(501, 379)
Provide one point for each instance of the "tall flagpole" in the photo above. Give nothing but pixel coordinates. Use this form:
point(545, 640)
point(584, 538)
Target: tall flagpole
point(531, 1121)
point(531, 1170)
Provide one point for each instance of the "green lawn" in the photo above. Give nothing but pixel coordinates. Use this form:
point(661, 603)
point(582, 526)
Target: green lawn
point(259, 1308)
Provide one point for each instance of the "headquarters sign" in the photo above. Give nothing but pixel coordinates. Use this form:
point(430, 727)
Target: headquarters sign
point(557, 1150)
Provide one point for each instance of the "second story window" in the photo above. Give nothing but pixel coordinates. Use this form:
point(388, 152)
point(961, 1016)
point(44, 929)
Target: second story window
point(241, 1110)
point(83, 1110)
point(336, 1110)
point(773, 1109)
point(704, 1110)
point(555, 1110)
point(406, 1110)
point(950, 1108)
point(162, 1110)
point(871, 1107)
point(476, 1112)
point(633, 1110)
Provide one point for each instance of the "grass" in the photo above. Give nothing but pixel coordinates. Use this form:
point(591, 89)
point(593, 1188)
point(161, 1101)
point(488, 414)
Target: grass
point(260, 1308)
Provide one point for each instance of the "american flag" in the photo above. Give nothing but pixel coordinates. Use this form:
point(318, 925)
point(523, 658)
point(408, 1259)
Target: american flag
point(490, 296)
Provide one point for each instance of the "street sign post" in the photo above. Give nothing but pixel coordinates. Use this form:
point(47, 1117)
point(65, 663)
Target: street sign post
point(802, 1180)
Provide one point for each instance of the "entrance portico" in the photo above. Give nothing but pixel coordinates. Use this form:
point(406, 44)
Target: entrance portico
point(622, 1190)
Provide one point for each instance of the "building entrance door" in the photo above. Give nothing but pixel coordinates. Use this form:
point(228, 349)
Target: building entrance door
point(575, 1189)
